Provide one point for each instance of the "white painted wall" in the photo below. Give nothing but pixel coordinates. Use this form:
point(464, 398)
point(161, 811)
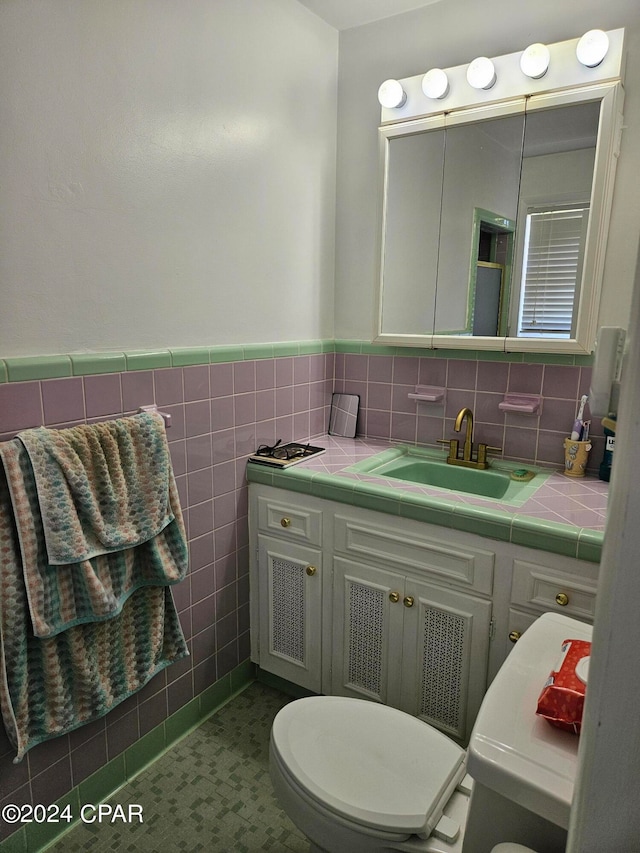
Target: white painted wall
point(446, 35)
point(167, 174)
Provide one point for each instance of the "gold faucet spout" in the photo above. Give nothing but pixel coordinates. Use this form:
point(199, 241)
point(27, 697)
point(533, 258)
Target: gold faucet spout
point(468, 438)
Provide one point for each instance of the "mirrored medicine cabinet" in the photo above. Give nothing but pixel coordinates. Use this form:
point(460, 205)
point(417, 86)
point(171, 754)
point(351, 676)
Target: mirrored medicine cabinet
point(494, 221)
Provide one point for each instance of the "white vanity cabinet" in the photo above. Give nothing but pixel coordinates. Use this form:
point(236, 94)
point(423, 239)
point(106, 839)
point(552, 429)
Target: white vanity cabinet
point(412, 616)
point(415, 645)
point(355, 602)
point(286, 589)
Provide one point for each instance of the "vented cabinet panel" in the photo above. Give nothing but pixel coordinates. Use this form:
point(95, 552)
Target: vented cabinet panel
point(367, 625)
point(290, 618)
point(445, 656)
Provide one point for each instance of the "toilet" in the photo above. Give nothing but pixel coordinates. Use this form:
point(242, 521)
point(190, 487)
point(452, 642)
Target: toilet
point(357, 776)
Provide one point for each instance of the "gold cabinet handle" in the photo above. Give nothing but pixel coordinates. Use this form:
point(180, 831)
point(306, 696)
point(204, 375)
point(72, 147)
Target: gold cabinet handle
point(394, 597)
point(562, 599)
point(285, 522)
point(514, 636)
point(311, 570)
point(408, 601)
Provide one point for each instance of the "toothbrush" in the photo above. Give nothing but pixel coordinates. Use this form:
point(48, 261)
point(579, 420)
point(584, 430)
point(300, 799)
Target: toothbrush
point(578, 424)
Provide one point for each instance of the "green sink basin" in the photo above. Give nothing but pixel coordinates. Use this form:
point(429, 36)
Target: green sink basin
point(425, 468)
point(427, 472)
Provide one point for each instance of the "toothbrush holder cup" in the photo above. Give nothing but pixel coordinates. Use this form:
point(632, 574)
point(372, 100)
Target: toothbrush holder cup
point(576, 456)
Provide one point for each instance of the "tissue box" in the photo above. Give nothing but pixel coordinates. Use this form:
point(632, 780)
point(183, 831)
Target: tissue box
point(562, 698)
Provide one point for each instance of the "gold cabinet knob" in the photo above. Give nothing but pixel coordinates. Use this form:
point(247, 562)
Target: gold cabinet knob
point(285, 522)
point(394, 597)
point(408, 601)
point(514, 636)
point(311, 570)
point(562, 599)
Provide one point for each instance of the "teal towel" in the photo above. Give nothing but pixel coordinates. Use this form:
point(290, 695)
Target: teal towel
point(51, 686)
point(101, 487)
point(154, 550)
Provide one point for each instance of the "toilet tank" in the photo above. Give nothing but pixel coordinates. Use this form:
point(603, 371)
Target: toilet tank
point(514, 752)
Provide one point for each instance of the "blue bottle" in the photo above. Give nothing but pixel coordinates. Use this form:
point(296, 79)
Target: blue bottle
point(609, 425)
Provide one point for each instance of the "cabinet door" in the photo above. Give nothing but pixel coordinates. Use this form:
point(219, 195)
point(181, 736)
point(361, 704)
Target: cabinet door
point(290, 577)
point(367, 632)
point(445, 656)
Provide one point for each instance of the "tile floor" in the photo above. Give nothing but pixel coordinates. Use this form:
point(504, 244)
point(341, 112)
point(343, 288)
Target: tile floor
point(209, 792)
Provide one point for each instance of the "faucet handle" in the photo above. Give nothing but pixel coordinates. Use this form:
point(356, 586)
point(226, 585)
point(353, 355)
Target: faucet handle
point(483, 449)
point(453, 446)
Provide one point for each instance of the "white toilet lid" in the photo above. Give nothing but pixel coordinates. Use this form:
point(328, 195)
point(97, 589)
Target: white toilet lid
point(369, 763)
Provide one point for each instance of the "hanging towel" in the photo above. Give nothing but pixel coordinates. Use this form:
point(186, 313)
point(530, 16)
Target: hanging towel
point(49, 687)
point(78, 487)
point(101, 487)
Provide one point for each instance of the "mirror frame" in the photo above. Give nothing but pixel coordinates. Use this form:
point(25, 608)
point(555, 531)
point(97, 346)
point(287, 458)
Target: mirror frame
point(611, 95)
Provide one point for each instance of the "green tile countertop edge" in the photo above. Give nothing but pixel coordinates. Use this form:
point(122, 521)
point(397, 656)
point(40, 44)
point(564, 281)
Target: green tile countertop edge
point(106, 781)
point(30, 368)
point(555, 537)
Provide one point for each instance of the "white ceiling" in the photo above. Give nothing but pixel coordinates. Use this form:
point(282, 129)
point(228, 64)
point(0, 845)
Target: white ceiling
point(343, 14)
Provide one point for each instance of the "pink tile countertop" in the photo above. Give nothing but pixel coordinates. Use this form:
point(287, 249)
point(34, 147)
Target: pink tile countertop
point(563, 515)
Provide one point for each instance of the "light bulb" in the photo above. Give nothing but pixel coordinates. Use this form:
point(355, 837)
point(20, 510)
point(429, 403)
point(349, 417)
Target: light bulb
point(481, 73)
point(534, 62)
point(435, 83)
point(391, 94)
point(592, 48)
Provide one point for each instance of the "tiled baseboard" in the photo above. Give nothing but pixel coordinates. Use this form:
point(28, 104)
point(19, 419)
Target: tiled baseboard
point(36, 836)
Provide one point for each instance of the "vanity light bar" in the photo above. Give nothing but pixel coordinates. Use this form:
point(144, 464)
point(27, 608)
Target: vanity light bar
point(594, 58)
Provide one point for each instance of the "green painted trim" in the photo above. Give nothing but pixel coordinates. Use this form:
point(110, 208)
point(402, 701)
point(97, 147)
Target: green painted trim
point(44, 367)
point(4, 376)
point(108, 779)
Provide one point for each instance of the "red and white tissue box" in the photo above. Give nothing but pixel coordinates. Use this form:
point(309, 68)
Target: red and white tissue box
point(562, 699)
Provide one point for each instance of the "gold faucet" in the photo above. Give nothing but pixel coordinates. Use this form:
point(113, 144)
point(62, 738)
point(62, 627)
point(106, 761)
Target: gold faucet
point(467, 450)
point(467, 459)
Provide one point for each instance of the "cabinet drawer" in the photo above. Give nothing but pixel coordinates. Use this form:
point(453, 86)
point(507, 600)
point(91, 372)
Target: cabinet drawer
point(293, 522)
point(544, 589)
point(400, 549)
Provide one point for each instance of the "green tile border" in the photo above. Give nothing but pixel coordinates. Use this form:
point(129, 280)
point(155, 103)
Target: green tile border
point(46, 367)
point(108, 779)
point(29, 368)
point(148, 359)
point(86, 364)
